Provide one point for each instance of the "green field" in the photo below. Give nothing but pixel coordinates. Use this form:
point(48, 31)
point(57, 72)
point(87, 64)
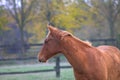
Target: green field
point(66, 74)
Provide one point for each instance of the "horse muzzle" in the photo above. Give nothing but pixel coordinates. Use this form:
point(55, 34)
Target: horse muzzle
point(42, 60)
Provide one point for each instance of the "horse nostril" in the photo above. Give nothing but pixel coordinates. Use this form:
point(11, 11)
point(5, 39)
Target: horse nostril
point(39, 60)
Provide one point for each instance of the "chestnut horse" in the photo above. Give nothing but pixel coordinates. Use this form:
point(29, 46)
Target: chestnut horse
point(88, 62)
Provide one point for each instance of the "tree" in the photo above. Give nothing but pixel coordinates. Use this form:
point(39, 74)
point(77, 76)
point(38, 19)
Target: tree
point(110, 10)
point(70, 14)
point(3, 19)
point(3, 22)
point(21, 11)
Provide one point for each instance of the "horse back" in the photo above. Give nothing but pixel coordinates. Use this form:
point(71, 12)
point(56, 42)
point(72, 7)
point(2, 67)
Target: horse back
point(111, 56)
point(111, 51)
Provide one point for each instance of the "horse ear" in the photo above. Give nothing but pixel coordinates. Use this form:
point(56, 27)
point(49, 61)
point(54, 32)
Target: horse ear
point(50, 28)
point(65, 33)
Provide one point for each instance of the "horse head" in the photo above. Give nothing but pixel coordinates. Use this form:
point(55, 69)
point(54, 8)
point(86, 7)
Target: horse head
point(52, 44)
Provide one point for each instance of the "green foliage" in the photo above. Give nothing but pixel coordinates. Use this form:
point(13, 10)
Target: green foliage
point(65, 14)
point(3, 19)
point(72, 15)
point(2, 22)
point(68, 15)
point(37, 30)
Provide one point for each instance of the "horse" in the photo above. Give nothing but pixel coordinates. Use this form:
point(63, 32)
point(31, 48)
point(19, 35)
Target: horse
point(88, 62)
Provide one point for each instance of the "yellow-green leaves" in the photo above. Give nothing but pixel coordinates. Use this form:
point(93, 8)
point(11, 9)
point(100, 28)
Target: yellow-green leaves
point(72, 16)
point(3, 19)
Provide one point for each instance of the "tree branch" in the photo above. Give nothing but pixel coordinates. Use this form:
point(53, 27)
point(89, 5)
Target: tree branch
point(16, 13)
point(28, 10)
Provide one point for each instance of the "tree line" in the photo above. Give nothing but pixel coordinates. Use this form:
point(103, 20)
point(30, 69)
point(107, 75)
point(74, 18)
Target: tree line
point(24, 21)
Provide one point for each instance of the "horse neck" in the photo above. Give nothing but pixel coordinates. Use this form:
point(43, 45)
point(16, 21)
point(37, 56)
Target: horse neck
point(74, 45)
point(76, 52)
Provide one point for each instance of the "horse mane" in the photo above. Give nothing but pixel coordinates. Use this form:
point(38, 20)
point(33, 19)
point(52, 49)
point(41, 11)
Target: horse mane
point(86, 43)
point(61, 35)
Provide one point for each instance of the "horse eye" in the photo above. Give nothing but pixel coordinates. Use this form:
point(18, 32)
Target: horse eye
point(46, 41)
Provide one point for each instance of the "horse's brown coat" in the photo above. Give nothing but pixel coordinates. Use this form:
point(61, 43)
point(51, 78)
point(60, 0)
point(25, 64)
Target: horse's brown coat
point(88, 62)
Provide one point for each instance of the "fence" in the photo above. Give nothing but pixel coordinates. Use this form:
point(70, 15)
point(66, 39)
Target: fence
point(97, 42)
point(57, 66)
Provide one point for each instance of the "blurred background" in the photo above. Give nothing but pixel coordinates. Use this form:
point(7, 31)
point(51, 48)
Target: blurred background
point(23, 30)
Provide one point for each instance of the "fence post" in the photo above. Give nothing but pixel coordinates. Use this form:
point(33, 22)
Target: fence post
point(57, 67)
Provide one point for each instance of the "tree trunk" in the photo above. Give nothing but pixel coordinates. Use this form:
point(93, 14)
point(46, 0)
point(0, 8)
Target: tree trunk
point(22, 40)
point(22, 27)
point(111, 27)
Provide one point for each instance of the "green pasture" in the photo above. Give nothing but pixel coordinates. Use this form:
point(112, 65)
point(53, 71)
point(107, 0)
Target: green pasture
point(66, 74)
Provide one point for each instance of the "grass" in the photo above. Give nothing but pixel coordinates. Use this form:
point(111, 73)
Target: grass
point(66, 74)
point(23, 68)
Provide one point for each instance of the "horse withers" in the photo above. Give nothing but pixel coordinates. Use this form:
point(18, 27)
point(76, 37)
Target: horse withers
point(88, 62)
